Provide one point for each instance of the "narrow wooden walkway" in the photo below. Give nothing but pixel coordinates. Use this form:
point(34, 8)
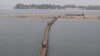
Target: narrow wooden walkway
point(44, 48)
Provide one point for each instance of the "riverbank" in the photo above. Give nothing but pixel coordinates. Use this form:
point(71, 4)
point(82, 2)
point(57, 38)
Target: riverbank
point(49, 16)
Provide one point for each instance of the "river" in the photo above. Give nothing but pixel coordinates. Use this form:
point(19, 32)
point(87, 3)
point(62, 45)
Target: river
point(75, 38)
point(68, 37)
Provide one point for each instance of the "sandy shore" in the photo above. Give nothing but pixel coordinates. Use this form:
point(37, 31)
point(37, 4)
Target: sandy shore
point(49, 16)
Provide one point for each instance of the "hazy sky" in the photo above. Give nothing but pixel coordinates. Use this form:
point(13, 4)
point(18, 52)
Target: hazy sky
point(61, 2)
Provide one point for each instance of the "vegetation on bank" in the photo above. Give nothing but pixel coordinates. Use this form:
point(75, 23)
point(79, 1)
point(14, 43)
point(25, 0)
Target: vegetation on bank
point(52, 6)
point(99, 17)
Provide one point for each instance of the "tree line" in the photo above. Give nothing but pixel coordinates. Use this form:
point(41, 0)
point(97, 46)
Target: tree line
point(53, 6)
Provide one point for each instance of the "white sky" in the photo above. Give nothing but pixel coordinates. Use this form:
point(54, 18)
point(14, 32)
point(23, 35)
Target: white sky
point(61, 2)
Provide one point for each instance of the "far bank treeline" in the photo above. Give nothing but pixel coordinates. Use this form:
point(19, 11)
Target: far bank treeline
point(50, 6)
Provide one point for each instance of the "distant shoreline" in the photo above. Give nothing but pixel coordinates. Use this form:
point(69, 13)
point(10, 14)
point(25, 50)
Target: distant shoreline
point(49, 16)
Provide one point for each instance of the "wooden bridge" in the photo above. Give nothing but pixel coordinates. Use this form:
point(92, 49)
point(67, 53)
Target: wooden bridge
point(44, 48)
